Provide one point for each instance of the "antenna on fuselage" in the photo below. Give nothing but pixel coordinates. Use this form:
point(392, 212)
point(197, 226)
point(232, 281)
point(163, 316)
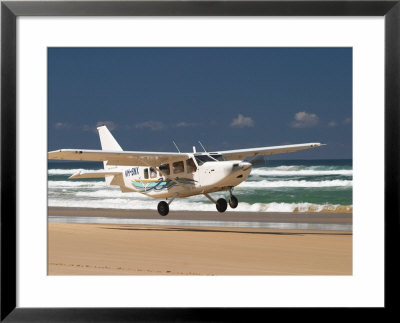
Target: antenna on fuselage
point(202, 146)
point(176, 146)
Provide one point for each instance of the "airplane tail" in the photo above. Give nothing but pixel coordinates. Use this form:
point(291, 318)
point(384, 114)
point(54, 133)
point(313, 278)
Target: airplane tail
point(112, 174)
point(109, 143)
point(107, 140)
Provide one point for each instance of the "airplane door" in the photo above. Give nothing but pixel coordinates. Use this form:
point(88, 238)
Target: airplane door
point(206, 173)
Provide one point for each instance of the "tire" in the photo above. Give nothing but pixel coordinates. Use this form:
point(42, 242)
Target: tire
point(233, 202)
point(163, 208)
point(221, 205)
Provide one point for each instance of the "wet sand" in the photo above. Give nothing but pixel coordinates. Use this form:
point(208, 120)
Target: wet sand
point(109, 249)
point(292, 217)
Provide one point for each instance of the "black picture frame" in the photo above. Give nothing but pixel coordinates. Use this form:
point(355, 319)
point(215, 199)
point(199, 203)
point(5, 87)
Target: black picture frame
point(10, 10)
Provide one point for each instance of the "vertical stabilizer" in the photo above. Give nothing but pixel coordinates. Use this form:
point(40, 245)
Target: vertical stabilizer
point(108, 142)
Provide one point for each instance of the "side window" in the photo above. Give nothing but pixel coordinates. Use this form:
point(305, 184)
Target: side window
point(190, 166)
point(153, 173)
point(164, 168)
point(178, 167)
point(146, 173)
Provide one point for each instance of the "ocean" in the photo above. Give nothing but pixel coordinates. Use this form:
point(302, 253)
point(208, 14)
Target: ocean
point(274, 186)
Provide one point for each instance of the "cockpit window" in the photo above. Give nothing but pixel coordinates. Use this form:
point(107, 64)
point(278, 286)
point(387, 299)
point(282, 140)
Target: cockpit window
point(218, 157)
point(201, 159)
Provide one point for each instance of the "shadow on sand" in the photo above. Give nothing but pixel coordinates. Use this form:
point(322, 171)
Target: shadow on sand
point(169, 229)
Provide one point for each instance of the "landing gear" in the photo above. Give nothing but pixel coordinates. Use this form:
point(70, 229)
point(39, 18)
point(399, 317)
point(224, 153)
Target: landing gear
point(221, 205)
point(233, 202)
point(163, 208)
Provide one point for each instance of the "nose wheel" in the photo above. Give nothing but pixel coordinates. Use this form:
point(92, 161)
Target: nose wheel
point(233, 202)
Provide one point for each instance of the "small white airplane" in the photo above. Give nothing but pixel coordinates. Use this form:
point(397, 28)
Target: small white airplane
point(171, 175)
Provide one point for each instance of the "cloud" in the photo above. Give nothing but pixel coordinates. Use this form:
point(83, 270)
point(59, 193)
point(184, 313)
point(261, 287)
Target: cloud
point(185, 124)
point(62, 125)
point(304, 120)
point(86, 127)
point(152, 125)
point(242, 121)
point(111, 125)
point(332, 124)
point(347, 121)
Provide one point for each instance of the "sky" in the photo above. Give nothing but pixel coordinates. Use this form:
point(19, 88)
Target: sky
point(226, 98)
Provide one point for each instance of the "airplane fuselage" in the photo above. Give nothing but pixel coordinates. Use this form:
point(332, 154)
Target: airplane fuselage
point(182, 179)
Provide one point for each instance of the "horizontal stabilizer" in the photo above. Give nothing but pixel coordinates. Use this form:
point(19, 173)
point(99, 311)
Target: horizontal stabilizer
point(101, 174)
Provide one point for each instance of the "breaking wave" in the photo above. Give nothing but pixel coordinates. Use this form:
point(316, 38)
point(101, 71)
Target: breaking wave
point(68, 171)
point(72, 184)
point(186, 205)
point(303, 172)
point(275, 184)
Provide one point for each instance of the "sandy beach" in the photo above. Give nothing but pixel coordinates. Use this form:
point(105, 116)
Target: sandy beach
point(115, 249)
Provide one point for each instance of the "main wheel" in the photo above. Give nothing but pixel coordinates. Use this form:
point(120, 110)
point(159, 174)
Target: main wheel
point(163, 208)
point(233, 202)
point(221, 205)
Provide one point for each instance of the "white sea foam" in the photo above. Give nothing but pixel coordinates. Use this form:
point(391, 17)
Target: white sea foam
point(275, 184)
point(74, 184)
point(69, 171)
point(187, 205)
point(302, 167)
point(245, 184)
point(105, 193)
point(303, 172)
point(277, 207)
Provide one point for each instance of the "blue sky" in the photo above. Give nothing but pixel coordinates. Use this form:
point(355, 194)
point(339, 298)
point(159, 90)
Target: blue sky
point(227, 98)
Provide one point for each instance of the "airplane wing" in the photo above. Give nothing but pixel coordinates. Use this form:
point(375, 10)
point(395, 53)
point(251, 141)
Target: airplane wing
point(240, 154)
point(118, 158)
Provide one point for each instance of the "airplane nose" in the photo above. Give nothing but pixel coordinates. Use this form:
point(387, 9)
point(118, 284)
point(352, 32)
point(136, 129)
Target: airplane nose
point(245, 165)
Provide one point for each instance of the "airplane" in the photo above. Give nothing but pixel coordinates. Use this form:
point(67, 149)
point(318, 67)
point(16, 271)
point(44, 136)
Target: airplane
point(170, 175)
